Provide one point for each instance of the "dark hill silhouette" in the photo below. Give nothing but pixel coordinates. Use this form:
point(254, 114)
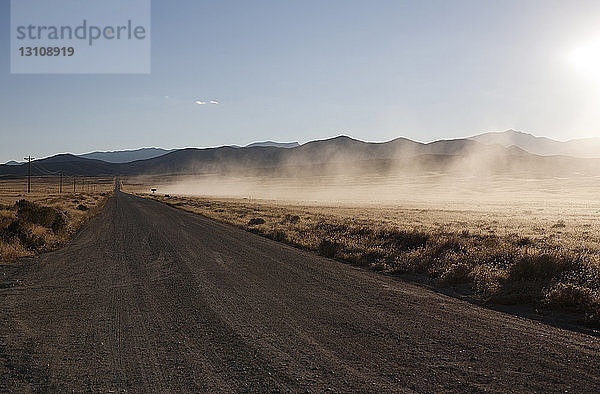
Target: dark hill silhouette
point(67, 163)
point(274, 144)
point(126, 156)
point(339, 153)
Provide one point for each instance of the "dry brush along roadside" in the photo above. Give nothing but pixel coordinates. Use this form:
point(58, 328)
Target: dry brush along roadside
point(31, 227)
point(491, 269)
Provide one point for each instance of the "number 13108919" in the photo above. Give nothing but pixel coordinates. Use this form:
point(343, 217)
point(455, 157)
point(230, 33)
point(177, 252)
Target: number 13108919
point(47, 51)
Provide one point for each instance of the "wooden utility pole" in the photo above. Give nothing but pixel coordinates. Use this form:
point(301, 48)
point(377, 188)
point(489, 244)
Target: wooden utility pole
point(60, 183)
point(74, 178)
point(29, 172)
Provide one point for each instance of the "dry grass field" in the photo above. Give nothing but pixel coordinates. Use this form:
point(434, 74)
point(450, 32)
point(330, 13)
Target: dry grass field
point(45, 219)
point(510, 253)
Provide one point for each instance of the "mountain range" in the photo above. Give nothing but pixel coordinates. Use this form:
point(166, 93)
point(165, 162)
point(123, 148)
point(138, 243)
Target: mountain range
point(584, 147)
point(126, 156)
point(275, 144)
point(504, 152)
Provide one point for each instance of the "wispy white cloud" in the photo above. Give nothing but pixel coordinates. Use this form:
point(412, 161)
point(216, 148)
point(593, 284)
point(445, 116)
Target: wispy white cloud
point(199, 102)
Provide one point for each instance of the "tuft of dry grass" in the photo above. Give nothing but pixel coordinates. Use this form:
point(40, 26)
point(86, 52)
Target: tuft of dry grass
point(550, 269)
point(42, 222)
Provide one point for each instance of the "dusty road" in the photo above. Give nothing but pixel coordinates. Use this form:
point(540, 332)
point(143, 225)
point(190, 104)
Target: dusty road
point(149, 298)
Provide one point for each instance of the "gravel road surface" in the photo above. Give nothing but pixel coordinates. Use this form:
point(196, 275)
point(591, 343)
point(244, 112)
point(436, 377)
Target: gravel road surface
point(151, 298)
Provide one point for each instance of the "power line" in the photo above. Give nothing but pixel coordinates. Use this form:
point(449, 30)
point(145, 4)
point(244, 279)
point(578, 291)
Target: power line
point(43, 171)
point(29, 172)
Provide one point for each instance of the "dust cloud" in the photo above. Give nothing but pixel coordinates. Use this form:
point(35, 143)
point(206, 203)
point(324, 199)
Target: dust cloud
point(461, 175)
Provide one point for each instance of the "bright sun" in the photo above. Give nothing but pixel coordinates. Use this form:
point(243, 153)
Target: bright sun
point(585, 59)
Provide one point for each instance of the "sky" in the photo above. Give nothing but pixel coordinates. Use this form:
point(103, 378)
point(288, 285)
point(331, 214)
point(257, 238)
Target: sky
point(299, 70)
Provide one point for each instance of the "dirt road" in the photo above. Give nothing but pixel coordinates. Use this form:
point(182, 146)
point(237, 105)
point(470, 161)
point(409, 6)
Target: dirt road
point(149, 298)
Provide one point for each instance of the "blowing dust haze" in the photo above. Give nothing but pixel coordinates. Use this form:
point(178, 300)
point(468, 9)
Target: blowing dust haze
point(454, 172)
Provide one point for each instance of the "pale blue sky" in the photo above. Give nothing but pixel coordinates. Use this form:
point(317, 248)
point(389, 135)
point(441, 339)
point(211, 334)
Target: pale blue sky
point(300, 70)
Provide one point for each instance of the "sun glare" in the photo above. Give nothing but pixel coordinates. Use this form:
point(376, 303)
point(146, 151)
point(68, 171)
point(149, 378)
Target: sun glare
point(585, 59)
